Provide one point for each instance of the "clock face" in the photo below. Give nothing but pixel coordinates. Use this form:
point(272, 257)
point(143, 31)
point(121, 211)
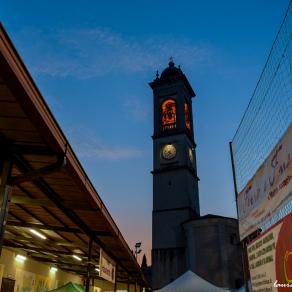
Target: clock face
point(168, 151)
point(191, 156)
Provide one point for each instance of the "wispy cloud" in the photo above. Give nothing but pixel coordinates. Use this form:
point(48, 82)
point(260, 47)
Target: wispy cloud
point(136, 109)
point(90, 52)
point(87, 145)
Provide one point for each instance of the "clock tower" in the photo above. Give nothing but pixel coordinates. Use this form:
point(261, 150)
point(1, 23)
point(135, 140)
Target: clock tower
point(175, 181)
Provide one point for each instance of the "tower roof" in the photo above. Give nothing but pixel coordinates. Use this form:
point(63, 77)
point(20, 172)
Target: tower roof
point(172, 74)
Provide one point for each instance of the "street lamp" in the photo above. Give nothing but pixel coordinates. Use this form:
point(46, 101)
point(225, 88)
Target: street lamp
point(138, 248)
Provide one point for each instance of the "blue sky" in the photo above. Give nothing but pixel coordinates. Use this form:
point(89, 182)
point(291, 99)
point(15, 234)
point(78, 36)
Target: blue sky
point(92, 61)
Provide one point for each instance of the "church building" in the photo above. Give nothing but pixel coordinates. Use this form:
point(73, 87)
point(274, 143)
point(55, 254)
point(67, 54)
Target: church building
point(182, 240)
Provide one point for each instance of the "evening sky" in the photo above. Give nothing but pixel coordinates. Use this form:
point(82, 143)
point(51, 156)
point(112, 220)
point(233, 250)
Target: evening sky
point(92, 61)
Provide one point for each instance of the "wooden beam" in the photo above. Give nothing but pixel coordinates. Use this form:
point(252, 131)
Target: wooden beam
point(55, 228)
point(103, 234)
point(59, 262)
point(62, 262)
point(24, 240)
point(32, 149)
point(22, 200)
point(84, 206)
point(23, 165)
point(70, 244)
point(44, 227)
point(34, 216)
point(38, 249)
point(41, 172)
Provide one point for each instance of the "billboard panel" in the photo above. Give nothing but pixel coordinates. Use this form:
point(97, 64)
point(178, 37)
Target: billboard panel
point(268, 190)
point(270, 258)
point(107, 267)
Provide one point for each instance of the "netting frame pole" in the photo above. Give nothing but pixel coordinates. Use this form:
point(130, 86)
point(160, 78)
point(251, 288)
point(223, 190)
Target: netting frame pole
point(87, 287)
point(242, 245)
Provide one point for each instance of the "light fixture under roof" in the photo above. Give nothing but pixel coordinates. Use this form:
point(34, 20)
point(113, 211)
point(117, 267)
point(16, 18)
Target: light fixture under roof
point(37, 234)
point(76, 257)
point(20, 258)
point(53, 269)
point(97, 269)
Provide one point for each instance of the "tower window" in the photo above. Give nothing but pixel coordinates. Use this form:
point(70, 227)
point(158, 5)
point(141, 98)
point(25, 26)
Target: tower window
point(168, 114)
point(187, 116)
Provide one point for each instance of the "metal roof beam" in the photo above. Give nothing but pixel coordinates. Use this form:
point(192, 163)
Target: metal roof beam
point(41, 172)
point(20, 238)
point(48, 210)
point(54, 197)
point(32, 149)
point(38, 249)
point(55, 228)
point(59, 262)
point(44, 227)
point(22, 200)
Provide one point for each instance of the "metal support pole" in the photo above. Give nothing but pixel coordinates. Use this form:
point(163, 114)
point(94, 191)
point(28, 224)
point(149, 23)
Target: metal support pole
point(242, 245)
point(88, 265)
point(116, 278)
point(128, 285)
point(233, 175)
point(5, 194)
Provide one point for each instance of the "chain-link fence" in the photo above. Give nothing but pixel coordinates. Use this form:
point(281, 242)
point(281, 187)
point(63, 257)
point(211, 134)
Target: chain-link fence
point(269, 112)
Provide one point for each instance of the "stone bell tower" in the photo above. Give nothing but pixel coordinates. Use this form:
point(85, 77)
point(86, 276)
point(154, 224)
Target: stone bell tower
point(175, 181)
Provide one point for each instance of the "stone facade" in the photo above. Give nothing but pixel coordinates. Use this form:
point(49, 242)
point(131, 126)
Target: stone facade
point(213, 250)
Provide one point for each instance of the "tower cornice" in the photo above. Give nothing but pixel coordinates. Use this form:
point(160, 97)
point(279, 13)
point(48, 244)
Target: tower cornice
point(175, 168)
point(171, 75)
point(175, 132)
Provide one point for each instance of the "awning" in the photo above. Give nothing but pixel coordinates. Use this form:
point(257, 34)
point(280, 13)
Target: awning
point(69, 287)
point(51, 192)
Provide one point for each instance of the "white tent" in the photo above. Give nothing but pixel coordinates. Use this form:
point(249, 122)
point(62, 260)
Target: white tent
point(191, 282)
point(241, 289)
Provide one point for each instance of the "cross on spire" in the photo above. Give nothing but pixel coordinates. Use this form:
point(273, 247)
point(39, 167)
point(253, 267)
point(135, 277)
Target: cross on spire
point(171, 63)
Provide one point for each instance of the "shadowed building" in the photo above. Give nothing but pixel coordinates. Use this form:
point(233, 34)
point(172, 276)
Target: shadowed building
point(213, 251)
point(175, 183)
point(175, 187)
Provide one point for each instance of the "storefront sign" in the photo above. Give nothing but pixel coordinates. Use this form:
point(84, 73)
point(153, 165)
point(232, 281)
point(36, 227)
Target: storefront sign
point(268, 190)
point(107, 267)
point(270, 258)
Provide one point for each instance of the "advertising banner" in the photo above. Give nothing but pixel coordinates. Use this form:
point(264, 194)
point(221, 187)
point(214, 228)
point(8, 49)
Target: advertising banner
point(268, 190)
point(107, 267)
point(270, 258)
